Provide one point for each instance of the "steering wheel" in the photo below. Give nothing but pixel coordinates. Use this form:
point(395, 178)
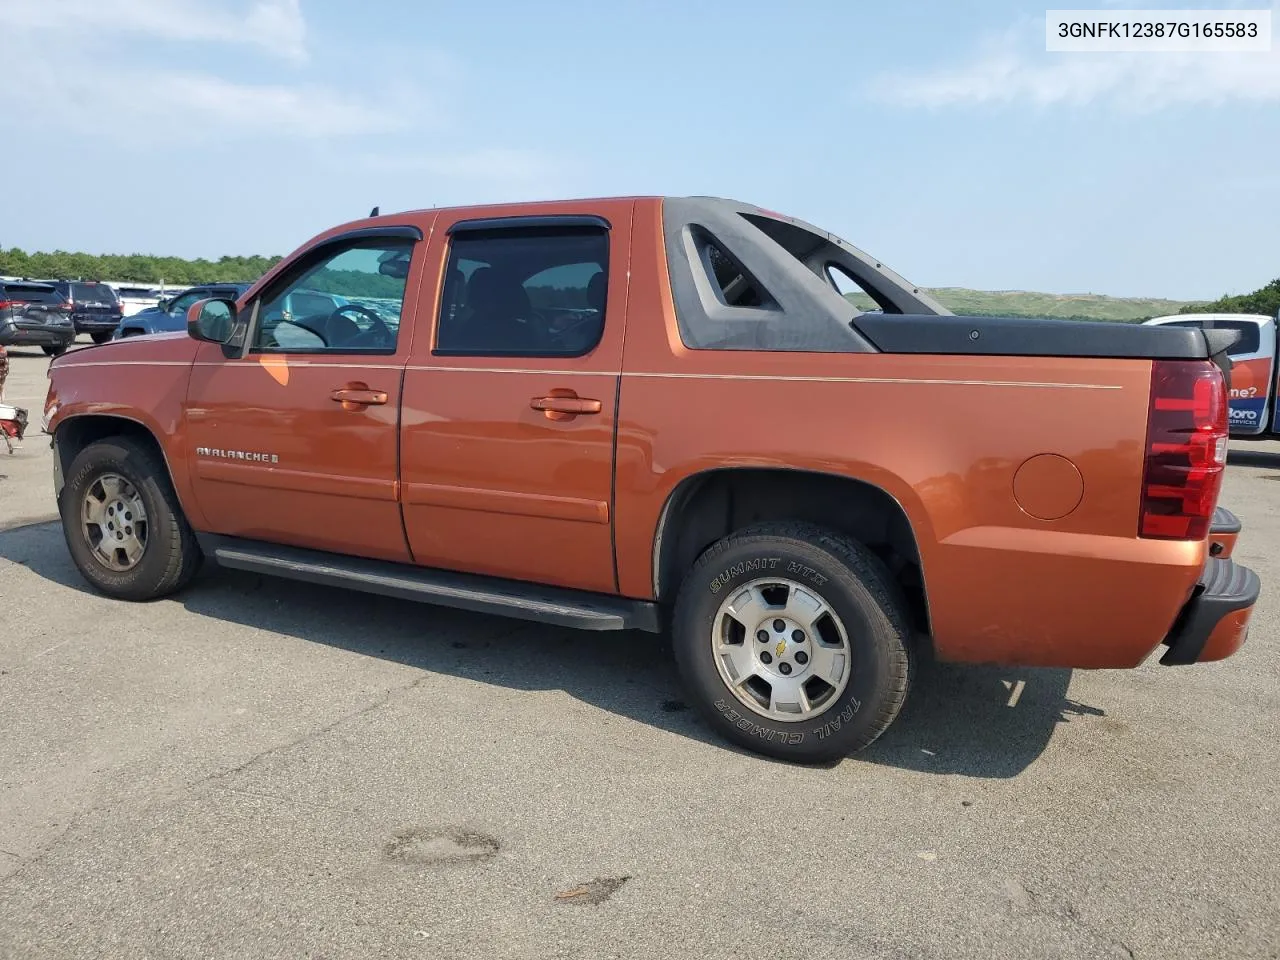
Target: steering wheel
point(381, 333)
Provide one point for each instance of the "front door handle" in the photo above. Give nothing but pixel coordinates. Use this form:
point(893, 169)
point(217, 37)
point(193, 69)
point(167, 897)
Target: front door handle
point(357, 396)
point(564, 407)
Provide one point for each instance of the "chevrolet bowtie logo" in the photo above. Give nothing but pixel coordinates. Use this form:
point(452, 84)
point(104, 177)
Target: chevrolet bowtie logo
point(780, 649)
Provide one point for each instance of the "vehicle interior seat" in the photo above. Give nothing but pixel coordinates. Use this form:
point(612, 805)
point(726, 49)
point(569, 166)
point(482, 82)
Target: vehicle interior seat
point(500, 313)
point(597, 287)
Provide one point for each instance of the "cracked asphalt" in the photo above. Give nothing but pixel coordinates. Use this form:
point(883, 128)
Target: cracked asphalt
point(261, 768)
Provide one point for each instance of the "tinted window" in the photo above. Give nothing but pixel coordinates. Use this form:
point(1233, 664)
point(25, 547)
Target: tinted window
point(1250, 334)
point(27, 293)
point(98, 293)
point(527, 292)
point(343, 299)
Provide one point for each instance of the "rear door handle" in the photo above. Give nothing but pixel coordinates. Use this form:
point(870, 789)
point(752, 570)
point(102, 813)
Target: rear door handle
point(357, 396)
point(563, 408)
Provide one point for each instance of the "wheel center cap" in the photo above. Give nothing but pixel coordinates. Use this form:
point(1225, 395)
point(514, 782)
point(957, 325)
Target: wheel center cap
point(781, 649)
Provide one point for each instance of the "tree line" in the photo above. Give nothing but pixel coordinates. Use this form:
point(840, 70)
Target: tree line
point(1265, 300)
point(135, 267)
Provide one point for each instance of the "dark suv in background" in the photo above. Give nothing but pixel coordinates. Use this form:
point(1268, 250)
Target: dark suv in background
point(35, 315)
point(95, 308)
point(171, 314)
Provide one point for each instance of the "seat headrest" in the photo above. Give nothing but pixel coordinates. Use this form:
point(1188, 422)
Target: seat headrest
point(597, 287)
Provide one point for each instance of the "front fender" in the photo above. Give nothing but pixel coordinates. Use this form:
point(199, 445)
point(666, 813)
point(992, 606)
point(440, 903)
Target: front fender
point(141, 384)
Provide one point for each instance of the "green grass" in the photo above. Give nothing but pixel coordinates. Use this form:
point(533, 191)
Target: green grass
point(1024, 303)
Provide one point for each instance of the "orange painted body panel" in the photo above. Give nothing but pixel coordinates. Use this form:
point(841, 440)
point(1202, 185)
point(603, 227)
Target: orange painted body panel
point(142, 379)
point(491, 485)
point(945, 437)
point(1223, 544)
point(1020, 476)
point(1227, 637)
point(334, 485)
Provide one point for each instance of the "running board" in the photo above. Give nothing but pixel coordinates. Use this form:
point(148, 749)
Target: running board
point(511, 598)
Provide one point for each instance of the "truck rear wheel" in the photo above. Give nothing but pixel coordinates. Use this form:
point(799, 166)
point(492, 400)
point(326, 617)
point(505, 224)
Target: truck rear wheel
point(123, 524)
point(792, 641)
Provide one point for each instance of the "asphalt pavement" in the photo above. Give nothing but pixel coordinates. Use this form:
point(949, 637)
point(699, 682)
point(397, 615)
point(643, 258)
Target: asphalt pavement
point(259, 768)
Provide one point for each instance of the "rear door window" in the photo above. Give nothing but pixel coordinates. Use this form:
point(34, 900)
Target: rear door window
point(527, 292)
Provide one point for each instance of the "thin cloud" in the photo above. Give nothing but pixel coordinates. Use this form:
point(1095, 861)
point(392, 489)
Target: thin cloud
point(1013, 67)
point(274, 25)
point(80, 84)
point(209, 106)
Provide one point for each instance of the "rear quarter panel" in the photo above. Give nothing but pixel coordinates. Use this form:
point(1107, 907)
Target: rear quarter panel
point(946, 437)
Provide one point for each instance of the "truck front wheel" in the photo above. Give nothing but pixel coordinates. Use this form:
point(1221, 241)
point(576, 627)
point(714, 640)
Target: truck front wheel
point(793, 641)
point(123, 524)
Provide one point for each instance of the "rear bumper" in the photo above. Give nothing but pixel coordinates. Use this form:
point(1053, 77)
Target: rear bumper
point(1215, 621)
point(13, 335)
point(1224, 533)
point(95, 324)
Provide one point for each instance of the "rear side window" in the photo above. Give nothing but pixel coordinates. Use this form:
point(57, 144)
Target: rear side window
point(96, 293)
point(26, 293)
point(528, 292)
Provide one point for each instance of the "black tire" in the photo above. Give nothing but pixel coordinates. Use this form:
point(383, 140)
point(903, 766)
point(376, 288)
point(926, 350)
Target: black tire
point(857, 588)
point(56, 350)
point(170, 557)
point(101, 336)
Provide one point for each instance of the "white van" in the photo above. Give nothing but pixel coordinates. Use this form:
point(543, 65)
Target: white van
point(1253, 412)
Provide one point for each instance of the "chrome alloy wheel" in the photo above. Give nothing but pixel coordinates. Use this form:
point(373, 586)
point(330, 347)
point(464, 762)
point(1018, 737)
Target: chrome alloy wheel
point(114, 522)
point(781, 649)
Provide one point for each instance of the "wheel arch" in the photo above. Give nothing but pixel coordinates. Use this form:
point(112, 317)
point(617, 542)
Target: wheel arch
point(75, 432)
point(712, 503)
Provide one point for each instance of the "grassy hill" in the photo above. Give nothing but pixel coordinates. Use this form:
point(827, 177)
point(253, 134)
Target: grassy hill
point(1024, 303)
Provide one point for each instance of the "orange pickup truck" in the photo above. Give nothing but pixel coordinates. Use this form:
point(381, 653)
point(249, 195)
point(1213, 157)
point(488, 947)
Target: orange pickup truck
point(662, 414)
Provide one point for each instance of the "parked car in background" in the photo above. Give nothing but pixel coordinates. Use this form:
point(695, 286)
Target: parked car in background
point(171, 314)
point(1254, 413)
point(35, 315)
point(95, 308)
point(137, 298)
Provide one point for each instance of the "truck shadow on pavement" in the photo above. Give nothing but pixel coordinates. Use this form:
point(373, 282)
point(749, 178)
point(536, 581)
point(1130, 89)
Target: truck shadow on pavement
point(1253, 458)
point(975, 721)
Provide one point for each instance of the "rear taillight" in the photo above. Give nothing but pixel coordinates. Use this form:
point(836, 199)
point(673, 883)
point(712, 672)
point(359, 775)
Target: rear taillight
point(1186, 449)
point(8, 304)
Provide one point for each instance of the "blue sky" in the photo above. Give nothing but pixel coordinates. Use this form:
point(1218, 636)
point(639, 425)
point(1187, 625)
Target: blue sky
point(938, 136)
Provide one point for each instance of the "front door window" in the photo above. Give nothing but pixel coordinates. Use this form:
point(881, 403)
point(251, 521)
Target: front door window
point(344, 300)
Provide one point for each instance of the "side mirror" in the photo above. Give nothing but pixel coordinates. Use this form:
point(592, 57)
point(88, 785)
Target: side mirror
point(211, 320)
